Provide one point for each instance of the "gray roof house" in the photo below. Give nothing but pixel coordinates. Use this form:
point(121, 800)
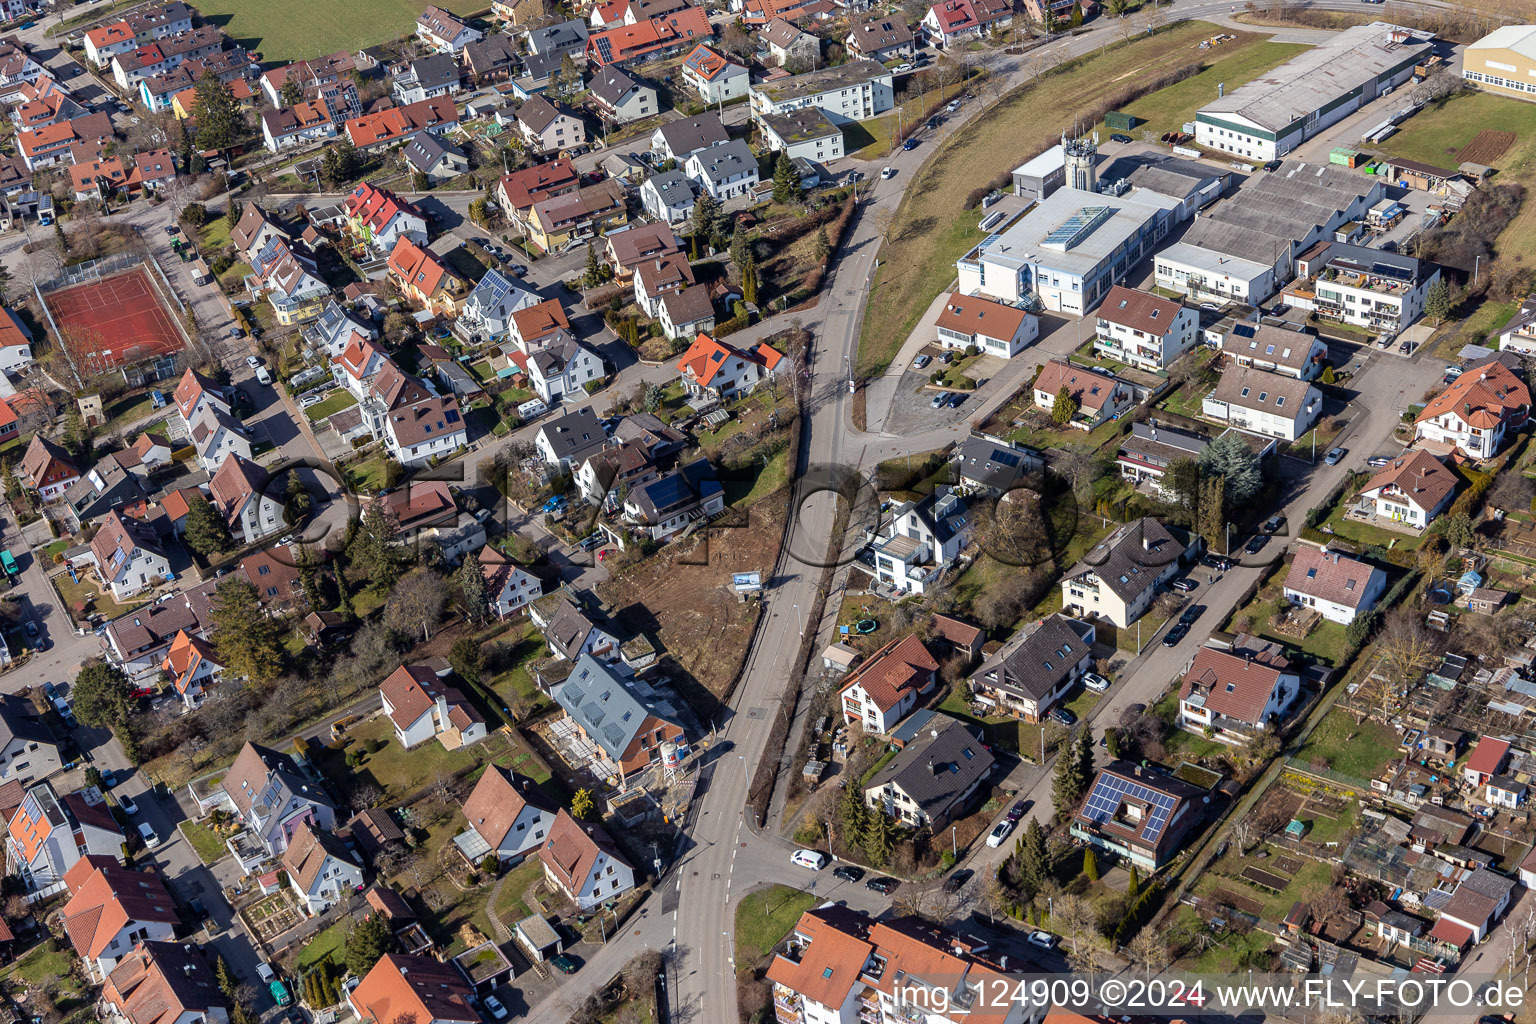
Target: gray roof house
point(28, 749)
point(724, 171)
point(994, 467)
point(679, 139)
point(1036, 667)
point(1118, 578)
point(667, 505)
point(618, 712)
point(570, 626)
point(567, 441)
point(428, 154)
point(668, 196)
point(932, 778)
point(437, 75)
point(620, 97)
point(557, 40)
point(487, 312)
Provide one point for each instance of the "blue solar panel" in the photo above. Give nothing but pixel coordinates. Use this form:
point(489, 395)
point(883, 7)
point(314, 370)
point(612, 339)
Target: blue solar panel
point(1110, 791)
point(668, 491)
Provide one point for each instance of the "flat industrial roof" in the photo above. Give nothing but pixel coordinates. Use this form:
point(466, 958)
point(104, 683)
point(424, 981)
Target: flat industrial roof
point(1314, 79)
point(1027, 240)
point(1039, 166)
point(1199, 257)
point(811, 83)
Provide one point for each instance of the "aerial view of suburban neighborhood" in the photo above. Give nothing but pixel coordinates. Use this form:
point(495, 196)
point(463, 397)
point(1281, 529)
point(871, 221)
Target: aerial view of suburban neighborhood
point(767, 511)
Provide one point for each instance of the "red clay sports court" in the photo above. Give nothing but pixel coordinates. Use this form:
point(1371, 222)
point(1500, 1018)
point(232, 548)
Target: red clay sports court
point(117, 321)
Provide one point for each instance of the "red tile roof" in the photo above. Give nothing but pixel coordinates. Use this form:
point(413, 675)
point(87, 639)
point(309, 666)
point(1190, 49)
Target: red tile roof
point(523, 188)
point(829, 964)
point(1140, 311)
point(536, 321)
point(1482, 398)
point(1488, 756)
point(1416, 476)
point(418, 269)
point(419, 987)
point(1090, 389)
point(498, 798)
point(895, 670)
point(1232, 685)
point(968, 314)
point(1329, 576)
point(105, 897)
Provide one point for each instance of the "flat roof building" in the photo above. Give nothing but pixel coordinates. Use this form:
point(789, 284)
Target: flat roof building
point(1503, 62)
point(856, 91)
point(1069, 250)
point(1272, 115)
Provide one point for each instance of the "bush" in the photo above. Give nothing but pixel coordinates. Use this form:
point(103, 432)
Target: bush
point(376, 745)
point(974, 197)
point(355, 757)
point(194, 215)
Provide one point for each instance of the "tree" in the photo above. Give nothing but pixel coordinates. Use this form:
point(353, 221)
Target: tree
point(220, 123)
point(786, 183)
point(78, 438)
point(368, 941)
point(471, 581)
point(583, 806)
point(468, 659)
point(1090, 865)
point(741, 248)
point(823, 245)
point(1181, 480)
point(1071, 781)
point(749, 281)
point(1117, 8)
point(206, 531)
point(297, 502)
point(1458, 529)
point(706, 219)
point(1133, 885)
point(1077, 14)
point(101, 696)
point(593, 275)
point(1408, 647)
point(1148, 951)
point(1065, 406)
point(1230, 457)
point(1072, 918)
point(291, 95)
point(373, 547)
point(5, 282)
point(1211, 512)
point(1437, 302)
point(655, 394)
point(250, 643)
point(416, 603)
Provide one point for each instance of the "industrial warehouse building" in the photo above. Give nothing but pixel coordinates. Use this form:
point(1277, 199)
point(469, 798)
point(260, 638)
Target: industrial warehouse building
point(1503, 62)
point(1272, 115)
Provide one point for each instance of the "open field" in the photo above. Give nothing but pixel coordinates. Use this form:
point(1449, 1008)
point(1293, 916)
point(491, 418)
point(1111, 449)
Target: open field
point(1235, 63)
point(287, 30)
point(764, 917)
point(931, 228)
point(1340, 745)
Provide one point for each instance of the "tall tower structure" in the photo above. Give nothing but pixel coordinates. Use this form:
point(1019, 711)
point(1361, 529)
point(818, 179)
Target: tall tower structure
point(1082, 159)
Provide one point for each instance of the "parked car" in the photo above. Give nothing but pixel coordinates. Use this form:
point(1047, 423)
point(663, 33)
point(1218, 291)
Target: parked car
point(813, 859)
point(999, 833)
point(1095, 682)
point(956, 399)
point(847, 872)
point(909, 145)
point(1117, 137)
point(252, 362)
point(1333, 457)
point(147, 833)
point(1174, 635)
point(1273, 524)
point(887, 173)
point(1042, 940)
point(1191, 614)
point(563, 963)
point(51, 690)
point(275, 986)
point(883, 886)
point(1183, 585)
point(1218, 562)
point(1018, 810)
point(938, 400)
point(921, 361)
point(954, 882)
point(126, 803)
point(1063, 716)
point(1256, 544)
point(1378, 461)
point(494, 1007)
point(109, 778)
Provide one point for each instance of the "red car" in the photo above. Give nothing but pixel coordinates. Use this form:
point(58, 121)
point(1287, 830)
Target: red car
point(144, 691)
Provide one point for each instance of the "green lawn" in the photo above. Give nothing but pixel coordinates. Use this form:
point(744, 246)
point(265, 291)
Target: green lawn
point(510, 906)
point(326, 943)
point(342, 399)
point(206, 843)
point(400, 772)
point(92, 596)
point(517, 682)
point(1187, 400)
point(288, 30)
point(365, 476)
point(1191, 746)
point(131, 407)
point(1342, 746)
point(214, 235)
point(770, 479)
point(1168, 109)
point(764, 917)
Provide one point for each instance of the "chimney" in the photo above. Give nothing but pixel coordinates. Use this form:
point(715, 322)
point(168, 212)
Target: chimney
point(1146, 543)
point(930, 764)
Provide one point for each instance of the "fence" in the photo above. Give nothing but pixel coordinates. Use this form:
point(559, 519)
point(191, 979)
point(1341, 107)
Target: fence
point(91, 270)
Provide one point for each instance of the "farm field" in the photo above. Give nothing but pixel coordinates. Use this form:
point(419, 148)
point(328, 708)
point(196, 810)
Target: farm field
point(288, 30)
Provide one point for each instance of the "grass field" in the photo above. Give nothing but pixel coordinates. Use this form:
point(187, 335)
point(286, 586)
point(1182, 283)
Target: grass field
point(205, 842)
point(764, 917)
point(1357, 750)
point(288, 30)
point(341, 399)
point(931, 228)
point(1168, 109)
point(1436, 134)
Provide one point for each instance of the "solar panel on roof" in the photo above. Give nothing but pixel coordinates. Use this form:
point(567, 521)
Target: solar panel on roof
point(1110, 791)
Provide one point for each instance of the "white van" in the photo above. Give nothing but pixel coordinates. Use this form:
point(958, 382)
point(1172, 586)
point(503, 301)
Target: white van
point(148, 834)
point(813, 859)
point(264, 375)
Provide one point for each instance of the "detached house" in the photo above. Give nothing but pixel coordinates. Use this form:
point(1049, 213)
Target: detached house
point(423, 989)
point(46, 834)
point(1476, 412)
point(295, 126)
point(320, 868)
point(581, 861)
point(567, 441)
point(995, 328)
point(239, 492)
point(1144, 330)
point(549, 127)
point(606, 476)
point(421, 706)
point(920, 539)
point(788, 45)
point(667, 505)
point(724, 171)
point(569, 628)
point(953, 21)
point(28, 748)
point(677, 140)
point(192, 665)
point(1138, 813)
point(1337, 587)
point(932, 779)
point(620, 98)
point(1412, 489)
point(562, 369)
point(1236, 695)
point(508, 815)
point(1099, 398)
point(508, 586)
point(669, 196)
point(385, 128)
point(1036, 668)
point(627, 721)
point(271, 796)
point(47, 469)
point(112, 909)
point(724, 371)
point(884, 690)
point(424, 279)
point(1264, 403)
point(881, 39)
point(437, 75)
point(444, 32)
point(436, 160)
point(517, 192)
point(164, 983)
point(714, 77)
point(379, 218)
point(128, 556)
point(487, 312)
point(1276, 349)
point(1120, 576)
